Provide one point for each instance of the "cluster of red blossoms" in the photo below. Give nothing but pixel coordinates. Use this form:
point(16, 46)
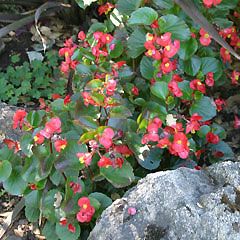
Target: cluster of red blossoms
point(67, 52)
point(210, 3)
point(115, 152)
point(173, 137)
point(173, 86)
point(105, 8)
point(86, 210)
point(162, 48)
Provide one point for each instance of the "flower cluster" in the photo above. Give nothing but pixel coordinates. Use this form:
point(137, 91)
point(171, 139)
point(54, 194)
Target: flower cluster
point(210, 3)
point(67, 52)
point(86, 210)
point(162, 48)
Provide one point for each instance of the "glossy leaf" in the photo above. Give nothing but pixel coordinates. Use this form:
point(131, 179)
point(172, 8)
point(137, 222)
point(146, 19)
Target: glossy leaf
point(5, 170)
point(160, 90)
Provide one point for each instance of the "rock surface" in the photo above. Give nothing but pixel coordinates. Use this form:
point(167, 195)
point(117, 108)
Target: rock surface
point(6, 116)
point(180, 204)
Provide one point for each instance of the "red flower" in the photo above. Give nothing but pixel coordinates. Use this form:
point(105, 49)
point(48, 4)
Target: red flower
point(106, 138)
point(236, 122)
point(51, 127)
point(209, 79)
point(235, 77)
point(76, 187)
point(164, 40)
point(171, 49)
point(177, 78)
point(212, 138)
point(71, 228)
point(81, 36)
point(105, 162)
point(164, 143)
point(119, 162)
point(33, 186)
point(135, 91)
point(209, 3)
point(225, 55)
point(174, 89)
point(111, 87)
point(196, 84)
point(180, 145)
point(12, 144)
point(60, 144)
point(55, 96)
point(18, 118)
point(86, 212)
point(38, 138)
point(85, 158)
point(63, 221)
point(219, 104)
point(166, 66)
point(67, 99)
point(205, 38)
point(155, 24)
point(193, 125)
point(105, 9)
point(122, 149)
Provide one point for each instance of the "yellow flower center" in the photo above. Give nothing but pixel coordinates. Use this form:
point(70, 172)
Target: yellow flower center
point(168, 48)
point(167, 65)
point(63, 146)
point(150, 52)
point(199, 83)
point(85, 206)
point(36, 138)
point(206, 35)
point(179, 142)
point(81, 160)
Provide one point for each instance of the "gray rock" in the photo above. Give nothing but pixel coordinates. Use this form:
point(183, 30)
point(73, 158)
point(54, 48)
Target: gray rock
point(180, 204)
point(6, 116)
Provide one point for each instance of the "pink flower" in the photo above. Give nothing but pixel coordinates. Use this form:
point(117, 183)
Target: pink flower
point(86, 212)
point(171, 49)
point(205, 38)
point(132, 211)
point(60, 144)
point(81, 35)
point(135, 91)
point(174, 89)
point(85, 158)
point(106, 138)
point(18, 118)
point(51, 127)
point(209, 79)
point(104, 162)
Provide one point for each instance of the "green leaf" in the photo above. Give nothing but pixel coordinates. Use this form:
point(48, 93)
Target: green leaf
point(49, 231)
point(205, 108)
point(15, 185)
point(166, 4)
point(144, 15)
point(210, 64)
point(32, 205)
point(188, 48)
point(83, 69)
point(26, 144)
point(160, 89)
point(222, 22)
point(118, 50)
point(120, 112)
point(48, 209)
point(68, 162)
point(176, 26)
point(35, 117)
point(136, 43)
point(226, 4)
point(203, 131)
point(64, 234)
point(5, 170)
point(224, 148)
point(119, 177)
point(102, 198)
point(186, 90)
point(148, 158)
point(147, 68)
point(128, 6)
point(192, 66)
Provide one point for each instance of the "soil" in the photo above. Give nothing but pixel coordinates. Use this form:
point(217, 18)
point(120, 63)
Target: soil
point(19, 44)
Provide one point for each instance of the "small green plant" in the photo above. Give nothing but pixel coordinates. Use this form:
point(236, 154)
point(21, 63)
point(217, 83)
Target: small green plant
point(30, 81)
